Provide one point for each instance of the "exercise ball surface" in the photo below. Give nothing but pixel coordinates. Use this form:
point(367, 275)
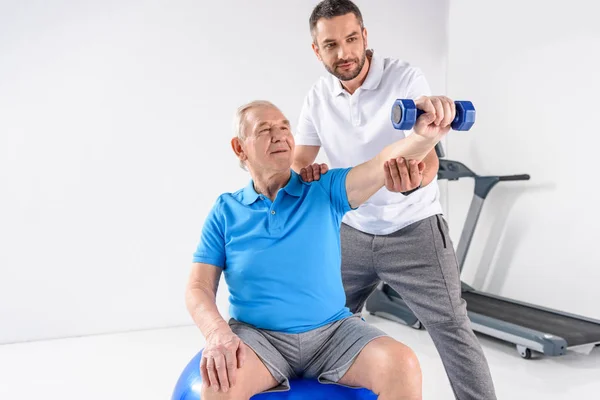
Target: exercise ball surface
point(189, 387)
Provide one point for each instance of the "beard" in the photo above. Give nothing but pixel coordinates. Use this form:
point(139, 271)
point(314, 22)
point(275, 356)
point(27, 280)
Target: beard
point(350, 74)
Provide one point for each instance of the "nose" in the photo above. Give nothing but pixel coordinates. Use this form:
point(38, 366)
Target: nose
point(343, 52)
point(278, 135)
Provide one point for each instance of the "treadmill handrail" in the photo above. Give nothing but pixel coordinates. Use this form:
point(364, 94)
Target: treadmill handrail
point(522, 177)
point(455, 170)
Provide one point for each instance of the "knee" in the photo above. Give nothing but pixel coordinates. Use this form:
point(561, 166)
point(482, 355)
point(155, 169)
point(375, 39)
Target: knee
point(399, 365)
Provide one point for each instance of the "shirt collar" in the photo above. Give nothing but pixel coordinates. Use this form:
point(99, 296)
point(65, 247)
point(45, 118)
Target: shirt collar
point(293, 188)
point(371, 81)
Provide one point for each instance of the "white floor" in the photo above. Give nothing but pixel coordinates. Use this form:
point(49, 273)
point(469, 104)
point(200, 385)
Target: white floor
point(145, 365)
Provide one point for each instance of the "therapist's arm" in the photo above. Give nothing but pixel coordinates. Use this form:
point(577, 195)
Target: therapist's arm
point(304, 163)
point(366, 179)
point(304, 156)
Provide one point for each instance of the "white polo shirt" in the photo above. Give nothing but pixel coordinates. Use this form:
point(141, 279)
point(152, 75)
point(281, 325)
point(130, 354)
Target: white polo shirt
point(352, 129)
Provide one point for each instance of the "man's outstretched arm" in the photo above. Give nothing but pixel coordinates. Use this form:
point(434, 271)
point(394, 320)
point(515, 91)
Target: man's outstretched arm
point(367, 178)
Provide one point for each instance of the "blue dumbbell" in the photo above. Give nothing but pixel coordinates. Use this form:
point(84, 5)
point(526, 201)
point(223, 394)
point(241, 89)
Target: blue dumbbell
point(405, 114)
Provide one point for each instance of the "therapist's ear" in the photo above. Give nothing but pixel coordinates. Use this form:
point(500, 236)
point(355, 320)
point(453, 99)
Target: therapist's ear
point(316, 51)
point(364, 35)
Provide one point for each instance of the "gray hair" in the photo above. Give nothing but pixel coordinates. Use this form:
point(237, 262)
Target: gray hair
point(240, 117)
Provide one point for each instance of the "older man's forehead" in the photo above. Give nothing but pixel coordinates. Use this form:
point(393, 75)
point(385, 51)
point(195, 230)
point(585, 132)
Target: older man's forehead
point(265, 115)
point(270, 122)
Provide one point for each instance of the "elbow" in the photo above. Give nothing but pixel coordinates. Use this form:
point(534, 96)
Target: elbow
point(197, 296)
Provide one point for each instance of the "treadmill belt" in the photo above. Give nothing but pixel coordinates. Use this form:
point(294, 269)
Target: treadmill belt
point(574, 331)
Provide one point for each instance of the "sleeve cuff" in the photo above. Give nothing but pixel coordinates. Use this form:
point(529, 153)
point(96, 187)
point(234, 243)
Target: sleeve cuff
point(306, 141)
point(345, 202)
point(209, 260)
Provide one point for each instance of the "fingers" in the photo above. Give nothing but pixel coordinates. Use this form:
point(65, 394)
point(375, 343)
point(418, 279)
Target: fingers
point(415, 174)
point(204, 372)
point(425, 104)
point(449, 111)
point(313, 172)
point(316, 172)
point(439, 110)
point(389, 182)
point(231, 367)
point(241, 354)
point(216, 372)
point(307, 174)
point(213, 382)
point(404, 176)
point(400, 177)
point(221, 367)
point(395, 166)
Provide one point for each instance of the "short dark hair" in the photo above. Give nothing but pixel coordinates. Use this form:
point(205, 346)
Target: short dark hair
point(333, 8)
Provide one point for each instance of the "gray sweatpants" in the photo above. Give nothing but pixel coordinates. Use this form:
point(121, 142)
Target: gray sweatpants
point(420, 264)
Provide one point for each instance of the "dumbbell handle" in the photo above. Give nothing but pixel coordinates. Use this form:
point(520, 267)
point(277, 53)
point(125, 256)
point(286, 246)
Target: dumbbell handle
point(405, 114)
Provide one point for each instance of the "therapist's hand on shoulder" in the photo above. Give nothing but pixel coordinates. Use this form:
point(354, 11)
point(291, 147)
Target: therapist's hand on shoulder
point(402, 176)
point(313, 172)
point(223, 354)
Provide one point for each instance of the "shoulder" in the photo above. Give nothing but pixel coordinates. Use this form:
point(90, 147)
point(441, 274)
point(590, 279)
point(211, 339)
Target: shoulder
point(331, 177)
point(318, 92)
point(400, 71)
point(225, 201)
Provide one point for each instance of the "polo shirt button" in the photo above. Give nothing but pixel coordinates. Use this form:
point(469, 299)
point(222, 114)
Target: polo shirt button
point(273, 212)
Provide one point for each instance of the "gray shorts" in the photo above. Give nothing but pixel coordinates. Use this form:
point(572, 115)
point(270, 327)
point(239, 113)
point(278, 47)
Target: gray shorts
point(325, 353)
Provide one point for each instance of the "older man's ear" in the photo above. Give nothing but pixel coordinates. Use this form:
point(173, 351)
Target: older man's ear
point(313, 172)
point(236, 145)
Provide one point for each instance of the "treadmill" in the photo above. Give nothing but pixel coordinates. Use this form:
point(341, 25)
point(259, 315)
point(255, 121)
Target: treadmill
point(529, 327)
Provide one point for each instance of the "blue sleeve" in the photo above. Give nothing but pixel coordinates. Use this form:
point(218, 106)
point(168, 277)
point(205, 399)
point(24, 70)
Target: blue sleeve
point(211, 248)
point(334, 183)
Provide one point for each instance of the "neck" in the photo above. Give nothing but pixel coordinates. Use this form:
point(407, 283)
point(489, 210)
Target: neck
point(354, 84)
point(269, 183)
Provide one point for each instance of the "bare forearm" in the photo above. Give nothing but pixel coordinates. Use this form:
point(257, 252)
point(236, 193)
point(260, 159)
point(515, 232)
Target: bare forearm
point(202, 306)
point(414, 147)
point(304, 156)
point(367, 178)
point(432, 165)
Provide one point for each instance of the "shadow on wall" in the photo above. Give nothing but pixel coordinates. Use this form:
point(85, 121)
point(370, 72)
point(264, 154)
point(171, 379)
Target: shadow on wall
point(505, 234)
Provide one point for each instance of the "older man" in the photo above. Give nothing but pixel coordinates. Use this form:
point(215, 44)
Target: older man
point(278, 243)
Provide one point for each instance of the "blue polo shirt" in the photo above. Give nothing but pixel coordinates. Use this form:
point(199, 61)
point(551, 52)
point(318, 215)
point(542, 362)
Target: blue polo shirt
point(281, 259)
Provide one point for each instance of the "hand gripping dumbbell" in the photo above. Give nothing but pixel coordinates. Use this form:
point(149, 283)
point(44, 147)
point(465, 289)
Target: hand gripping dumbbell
point(405, 114)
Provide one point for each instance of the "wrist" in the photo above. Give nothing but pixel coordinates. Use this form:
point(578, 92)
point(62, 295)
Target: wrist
point(218, 326)
point(408, 192)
